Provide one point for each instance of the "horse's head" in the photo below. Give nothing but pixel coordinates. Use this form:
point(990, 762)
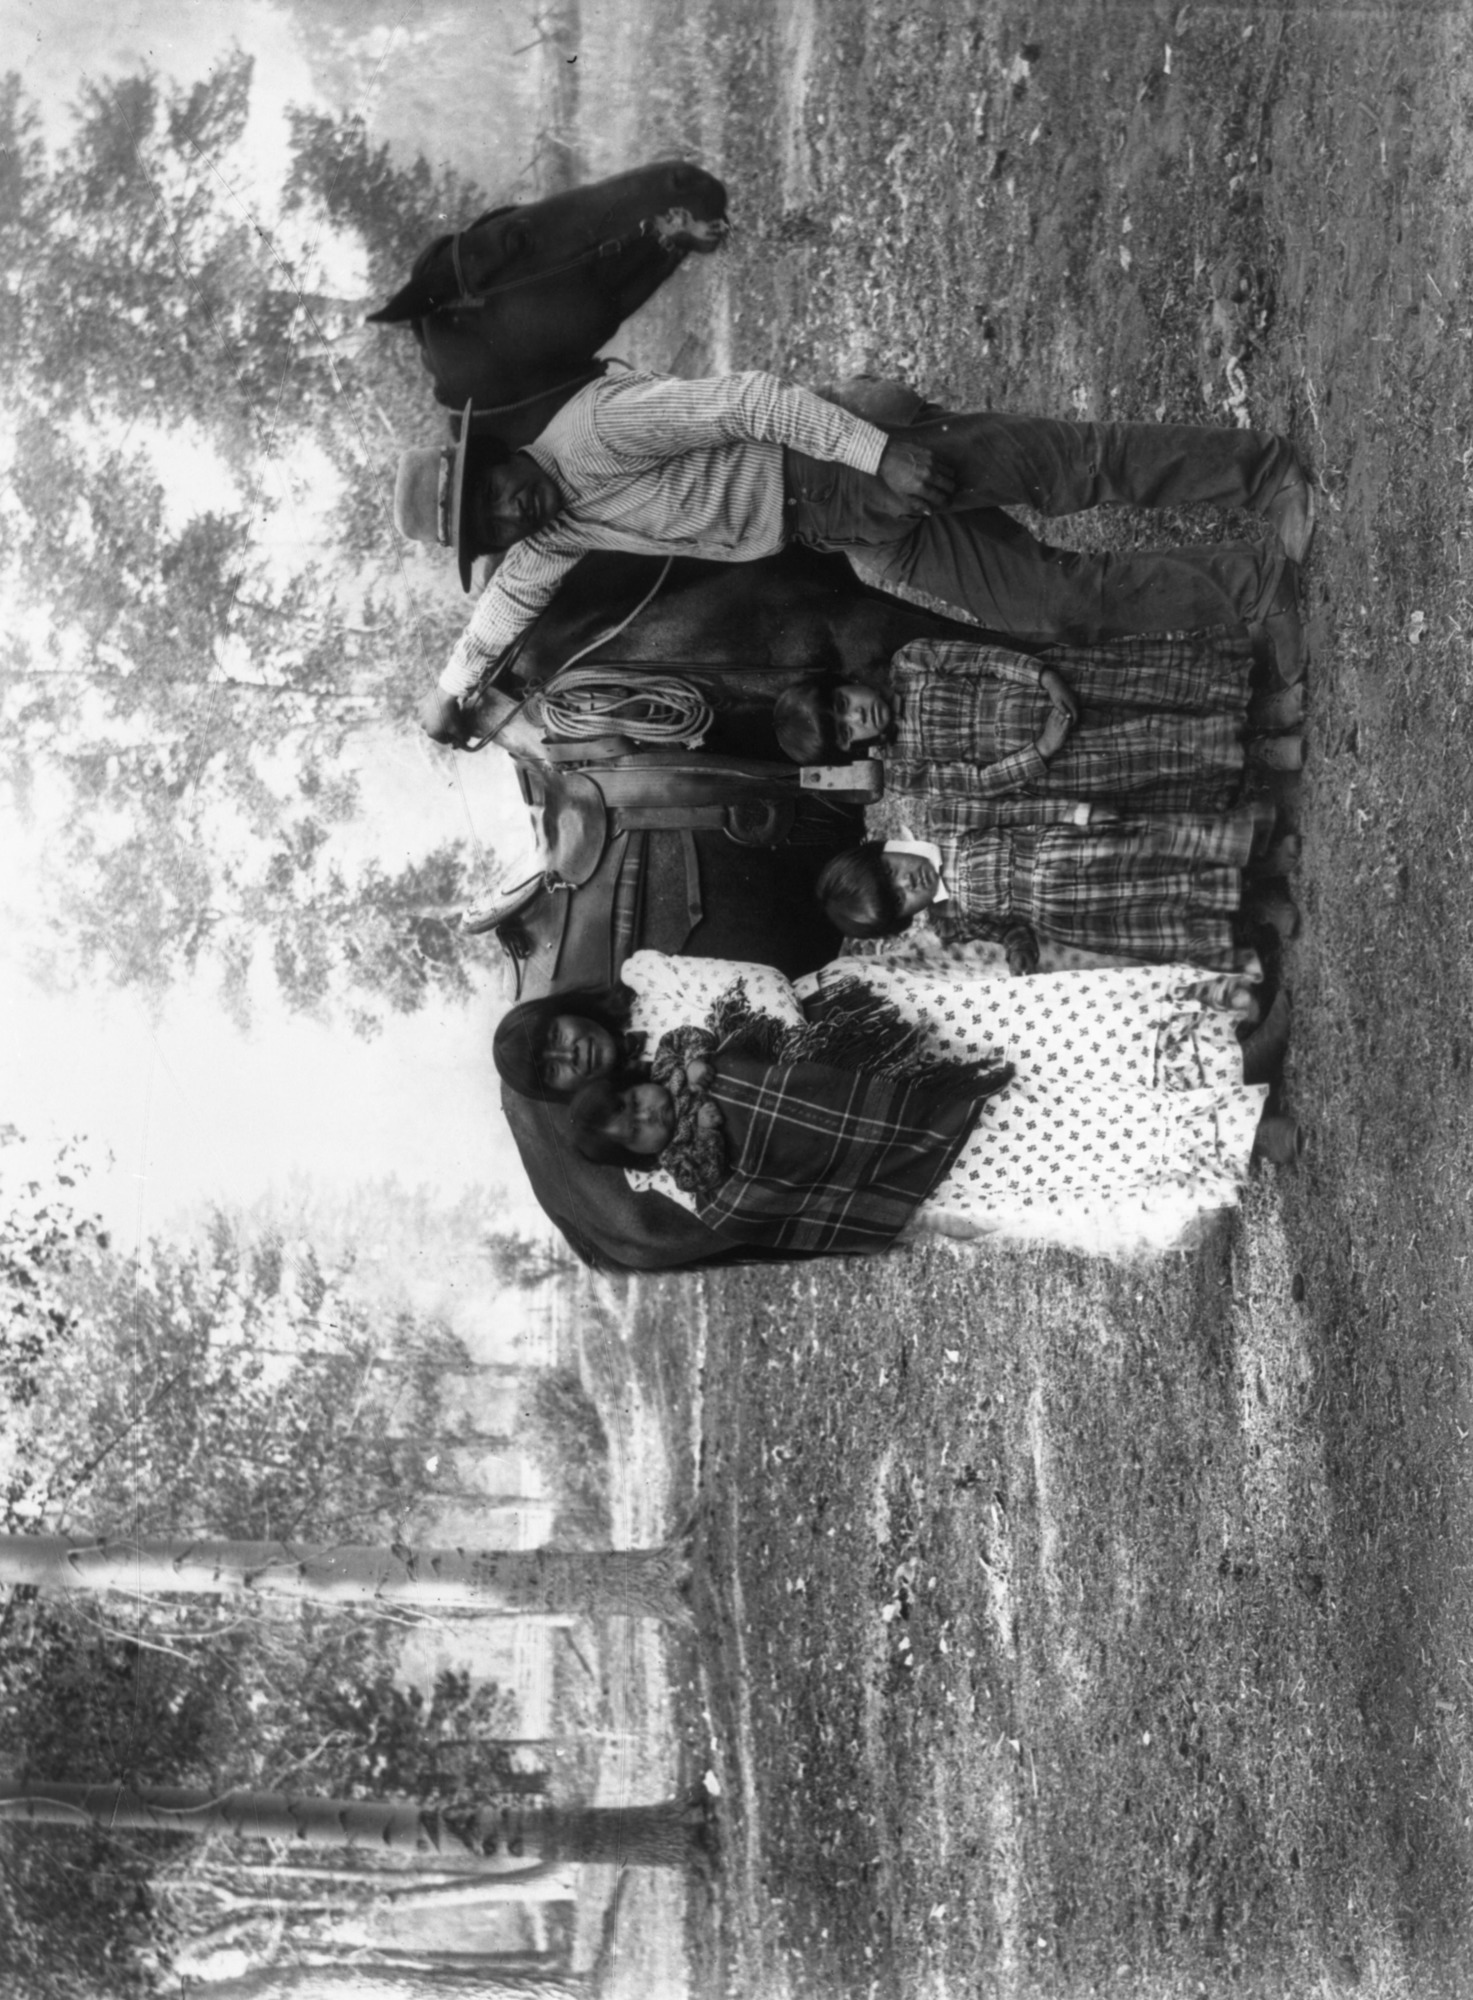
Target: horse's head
point(524, 293)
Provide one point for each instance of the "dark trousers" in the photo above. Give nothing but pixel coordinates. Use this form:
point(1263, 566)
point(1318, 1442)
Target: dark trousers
point(974, 557)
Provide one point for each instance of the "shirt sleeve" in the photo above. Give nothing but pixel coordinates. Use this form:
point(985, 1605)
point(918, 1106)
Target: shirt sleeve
point(960, 657)
point(652, 417)
point(1006, 931)
point(927, 784)
point(523, 586)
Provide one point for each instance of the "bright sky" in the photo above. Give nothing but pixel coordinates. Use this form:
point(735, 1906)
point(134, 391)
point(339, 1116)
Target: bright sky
point(189, 1109)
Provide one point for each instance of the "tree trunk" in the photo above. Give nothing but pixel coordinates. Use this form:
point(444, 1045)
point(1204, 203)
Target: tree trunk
point(502, 1837)
point(367, 1982)
point(634, 1583)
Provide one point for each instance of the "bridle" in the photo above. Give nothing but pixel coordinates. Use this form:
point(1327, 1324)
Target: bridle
point(469, 301)
point(612, 246)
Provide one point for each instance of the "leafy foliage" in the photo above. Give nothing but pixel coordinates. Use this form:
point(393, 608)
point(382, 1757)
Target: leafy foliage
point(43, 1234)
point(564, 1431)
point(194, 718)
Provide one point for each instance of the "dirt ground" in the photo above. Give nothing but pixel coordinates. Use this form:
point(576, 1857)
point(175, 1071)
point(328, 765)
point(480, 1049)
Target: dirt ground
point(1070, 1629)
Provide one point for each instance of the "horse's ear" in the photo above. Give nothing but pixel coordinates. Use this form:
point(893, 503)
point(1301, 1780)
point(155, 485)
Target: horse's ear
point(404, 305)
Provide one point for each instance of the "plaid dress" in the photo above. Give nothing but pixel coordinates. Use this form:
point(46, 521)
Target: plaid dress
point(1160, 726)
point(1158, 890)
point(827, 1160)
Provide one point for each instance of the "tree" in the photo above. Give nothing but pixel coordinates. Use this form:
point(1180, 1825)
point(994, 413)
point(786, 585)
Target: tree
point(201, 696)
point(501, 1837)
point(370, 1982)
point(43, 1236)
point(217, 1385)
point(555, 1583)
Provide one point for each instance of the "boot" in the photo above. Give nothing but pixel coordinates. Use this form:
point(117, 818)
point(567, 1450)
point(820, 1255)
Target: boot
point(1282, 709)
point(1265, 1047)
point(1278, 636)
point(1274, 910)
point(1280, 859)
point(1279, 1141)
point(1277, 753)
point(1291, 512)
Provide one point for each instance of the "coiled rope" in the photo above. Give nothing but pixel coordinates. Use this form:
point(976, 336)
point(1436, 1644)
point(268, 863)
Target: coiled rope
point(593, 701)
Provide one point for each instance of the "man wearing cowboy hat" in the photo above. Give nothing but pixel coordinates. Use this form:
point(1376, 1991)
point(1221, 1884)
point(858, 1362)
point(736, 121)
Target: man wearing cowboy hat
point(732, 468)
point(446, 497)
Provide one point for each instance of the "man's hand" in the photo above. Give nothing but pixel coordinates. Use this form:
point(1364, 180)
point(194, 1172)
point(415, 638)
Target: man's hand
point(1058, 691)
point(1054, 734)
point(441, 717)
point(913, 473)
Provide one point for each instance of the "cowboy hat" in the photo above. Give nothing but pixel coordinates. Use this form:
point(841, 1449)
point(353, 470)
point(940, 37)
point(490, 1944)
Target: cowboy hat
point(431, 498)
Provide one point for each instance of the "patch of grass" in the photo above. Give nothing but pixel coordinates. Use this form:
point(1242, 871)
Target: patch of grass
point(1223, 1505)
point(1038, 1682)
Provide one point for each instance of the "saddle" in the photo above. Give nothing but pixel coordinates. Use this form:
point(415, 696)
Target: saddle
point(587, 800)
point(608, 810)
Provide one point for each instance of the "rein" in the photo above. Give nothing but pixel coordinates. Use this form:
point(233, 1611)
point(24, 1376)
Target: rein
point(590, 374)
point(599, 639)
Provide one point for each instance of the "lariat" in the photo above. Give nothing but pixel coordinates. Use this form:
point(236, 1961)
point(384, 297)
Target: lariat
point(592, 701)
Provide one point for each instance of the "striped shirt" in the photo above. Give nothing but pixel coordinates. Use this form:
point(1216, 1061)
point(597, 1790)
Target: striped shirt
point(656, 466)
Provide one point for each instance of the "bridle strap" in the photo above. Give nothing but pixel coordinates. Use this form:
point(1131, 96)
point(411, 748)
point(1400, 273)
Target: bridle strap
point(468, 300)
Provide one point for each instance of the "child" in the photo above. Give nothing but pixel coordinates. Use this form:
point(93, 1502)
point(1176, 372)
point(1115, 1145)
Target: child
point(1158, 891)
point(1143, 724)
point(733, 468)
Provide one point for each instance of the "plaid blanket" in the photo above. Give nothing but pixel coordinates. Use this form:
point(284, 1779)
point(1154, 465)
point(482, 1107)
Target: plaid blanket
point(827, 1160)
point(1160, 728)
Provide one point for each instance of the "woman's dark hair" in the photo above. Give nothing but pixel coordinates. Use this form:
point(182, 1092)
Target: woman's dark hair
point(588, 1115)
point(521, 1035)
point(805, 723)
point(858, 896)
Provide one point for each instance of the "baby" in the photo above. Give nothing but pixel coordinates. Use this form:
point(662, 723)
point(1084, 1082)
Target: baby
point(672, 1123)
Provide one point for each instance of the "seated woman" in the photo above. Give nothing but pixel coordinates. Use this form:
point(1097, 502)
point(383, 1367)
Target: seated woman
point(1133, 1110)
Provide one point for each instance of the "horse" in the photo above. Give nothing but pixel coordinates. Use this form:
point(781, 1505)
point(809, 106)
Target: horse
point(510, 311)
point(740, 633)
